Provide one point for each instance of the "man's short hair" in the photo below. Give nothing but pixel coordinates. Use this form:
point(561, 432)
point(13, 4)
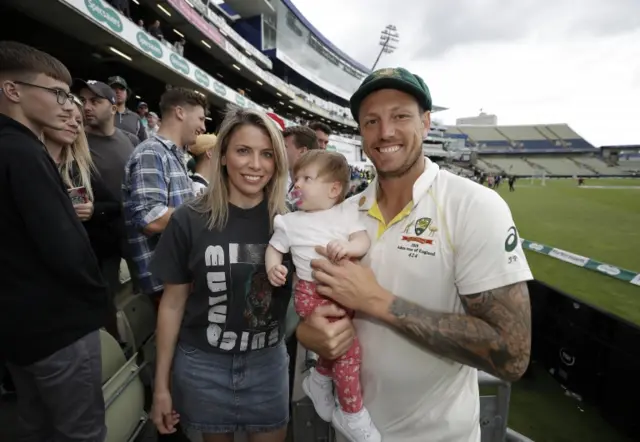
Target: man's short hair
point(25, 62)
point(332, 166)
point(178, 96)
point(302, 137)
point(317, 125)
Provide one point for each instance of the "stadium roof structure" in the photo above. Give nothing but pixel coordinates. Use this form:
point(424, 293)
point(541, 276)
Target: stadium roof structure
point(289, 4)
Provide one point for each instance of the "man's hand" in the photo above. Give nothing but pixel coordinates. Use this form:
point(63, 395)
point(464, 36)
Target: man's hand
point(277, 275)
point(328, 339)
point(336, 250)
point(84, 211)
point(350, 285)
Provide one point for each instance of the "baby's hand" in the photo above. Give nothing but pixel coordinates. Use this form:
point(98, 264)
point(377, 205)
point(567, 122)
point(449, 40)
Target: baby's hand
point(336, 250)
point(277, 275)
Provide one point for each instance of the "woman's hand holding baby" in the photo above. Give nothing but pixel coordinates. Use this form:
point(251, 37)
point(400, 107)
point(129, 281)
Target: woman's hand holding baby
point(277, 275)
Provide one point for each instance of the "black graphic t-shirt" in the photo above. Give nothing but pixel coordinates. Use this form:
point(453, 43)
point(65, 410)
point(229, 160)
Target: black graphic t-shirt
point(232, 308)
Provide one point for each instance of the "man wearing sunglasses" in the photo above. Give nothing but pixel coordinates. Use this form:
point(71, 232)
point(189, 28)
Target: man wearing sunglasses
point(53, 299)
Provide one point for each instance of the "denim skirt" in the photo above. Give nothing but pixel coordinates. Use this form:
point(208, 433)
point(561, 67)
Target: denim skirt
point(225, 393)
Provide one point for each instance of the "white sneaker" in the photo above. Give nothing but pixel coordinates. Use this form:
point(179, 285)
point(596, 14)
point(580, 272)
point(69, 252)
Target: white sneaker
point(356, 427)
point(319, 388)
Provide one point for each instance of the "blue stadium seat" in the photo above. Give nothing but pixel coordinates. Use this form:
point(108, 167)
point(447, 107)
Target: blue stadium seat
point(537, 145)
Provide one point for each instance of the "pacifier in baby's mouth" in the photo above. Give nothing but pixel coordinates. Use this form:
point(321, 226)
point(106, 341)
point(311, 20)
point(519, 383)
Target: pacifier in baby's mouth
point(296, 197)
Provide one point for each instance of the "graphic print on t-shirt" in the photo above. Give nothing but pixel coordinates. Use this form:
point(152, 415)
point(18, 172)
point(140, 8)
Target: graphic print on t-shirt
point(243, 311)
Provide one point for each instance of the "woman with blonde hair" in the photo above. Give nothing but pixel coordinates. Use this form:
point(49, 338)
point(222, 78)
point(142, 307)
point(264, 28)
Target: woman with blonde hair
point(201, 152)
point(220, 333)
point(69, 149)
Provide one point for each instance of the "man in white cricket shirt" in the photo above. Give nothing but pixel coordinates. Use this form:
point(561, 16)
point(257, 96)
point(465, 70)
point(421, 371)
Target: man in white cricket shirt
point(442, 291)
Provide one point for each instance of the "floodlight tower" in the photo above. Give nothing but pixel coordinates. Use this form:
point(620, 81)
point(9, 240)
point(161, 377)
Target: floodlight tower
point(389, 39)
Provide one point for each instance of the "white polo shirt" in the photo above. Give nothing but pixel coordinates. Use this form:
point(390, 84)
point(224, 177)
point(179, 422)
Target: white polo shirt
point(455, 238)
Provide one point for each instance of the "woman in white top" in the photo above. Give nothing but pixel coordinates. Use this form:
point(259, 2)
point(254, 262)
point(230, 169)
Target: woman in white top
point(201, 152)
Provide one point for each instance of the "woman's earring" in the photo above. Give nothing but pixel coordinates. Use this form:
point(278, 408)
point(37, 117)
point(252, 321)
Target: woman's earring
point(223, 161)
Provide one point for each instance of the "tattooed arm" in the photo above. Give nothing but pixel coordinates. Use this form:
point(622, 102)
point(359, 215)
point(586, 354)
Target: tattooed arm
point(494, 335)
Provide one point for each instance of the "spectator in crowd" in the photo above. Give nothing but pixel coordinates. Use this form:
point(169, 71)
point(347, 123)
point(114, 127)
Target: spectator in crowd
point(179, 46)
point(298, 140)
point(155, 30)
point(123, 6)
point(222, 363)
point(156, 180)
point(143, 111)
point(69, 150)
point(153, 124)
point(443, 295)
point(126, 119)
point(322, 133)
point(201, 152)
point(277, 119)
point(110, 150)
point(53, 296)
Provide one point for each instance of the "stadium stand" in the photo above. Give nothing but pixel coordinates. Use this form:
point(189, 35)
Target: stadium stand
point(559, 166)
point(522, 138)
point(600, 167)
point(513, 166)
point(629, 162)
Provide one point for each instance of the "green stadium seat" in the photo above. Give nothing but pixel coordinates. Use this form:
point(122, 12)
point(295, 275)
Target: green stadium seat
point(123, 392)
point(136, 320)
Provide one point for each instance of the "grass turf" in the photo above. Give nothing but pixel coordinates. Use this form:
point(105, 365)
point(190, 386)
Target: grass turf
point(603, 224)
point(599, 223)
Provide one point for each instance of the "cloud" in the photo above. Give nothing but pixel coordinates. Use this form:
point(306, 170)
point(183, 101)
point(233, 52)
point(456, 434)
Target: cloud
point(529, 62)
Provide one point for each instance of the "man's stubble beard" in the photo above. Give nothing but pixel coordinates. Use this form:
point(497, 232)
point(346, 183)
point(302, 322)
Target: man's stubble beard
point(404, 169)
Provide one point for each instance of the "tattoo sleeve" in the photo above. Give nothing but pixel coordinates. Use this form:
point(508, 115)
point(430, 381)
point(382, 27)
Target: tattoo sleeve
point(494, 335)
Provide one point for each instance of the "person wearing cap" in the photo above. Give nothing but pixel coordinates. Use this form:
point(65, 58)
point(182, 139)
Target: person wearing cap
point(442, 292)
point(201, 152)
point(110, 150)
point(143, 112)
point(277, 119)
point(126, 119)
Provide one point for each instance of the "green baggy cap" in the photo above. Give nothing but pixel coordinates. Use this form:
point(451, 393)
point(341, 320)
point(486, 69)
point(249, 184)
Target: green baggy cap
point(391, 78)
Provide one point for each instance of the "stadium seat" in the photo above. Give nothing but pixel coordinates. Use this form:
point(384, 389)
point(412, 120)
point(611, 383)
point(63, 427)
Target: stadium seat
point(112, 356)
point(136, 320)
point(123, 392)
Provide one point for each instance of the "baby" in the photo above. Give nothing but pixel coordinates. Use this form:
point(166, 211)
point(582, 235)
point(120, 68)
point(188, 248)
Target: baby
point(321, 181)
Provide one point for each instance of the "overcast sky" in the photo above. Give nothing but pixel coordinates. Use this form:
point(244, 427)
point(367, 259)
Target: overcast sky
point(527, 61)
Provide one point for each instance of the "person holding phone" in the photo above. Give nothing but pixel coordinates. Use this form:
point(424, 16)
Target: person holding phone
point(91, 199)
point(70, 151)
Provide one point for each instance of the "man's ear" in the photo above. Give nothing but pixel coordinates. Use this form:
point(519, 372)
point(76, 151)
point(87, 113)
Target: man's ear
point(10, 91)
point(426, 120)
point(180, 113)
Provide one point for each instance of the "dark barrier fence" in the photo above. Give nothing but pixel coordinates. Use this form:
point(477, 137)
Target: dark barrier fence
point(592, 353)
